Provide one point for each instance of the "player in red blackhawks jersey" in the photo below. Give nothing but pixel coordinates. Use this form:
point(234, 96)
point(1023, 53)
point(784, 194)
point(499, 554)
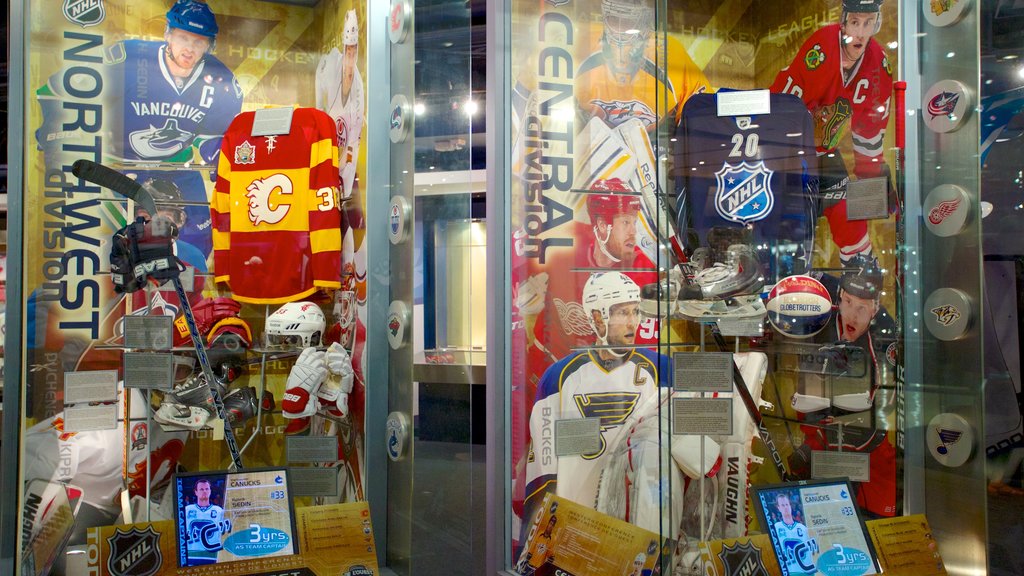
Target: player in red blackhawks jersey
point(843, 76)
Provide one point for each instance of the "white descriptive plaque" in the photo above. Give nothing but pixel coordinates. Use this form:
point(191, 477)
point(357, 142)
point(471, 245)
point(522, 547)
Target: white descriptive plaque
point(86, 418)
point(744, 103)
point(321, 481)
point(867, 199)
point(827, 464)
point(312, 449)
point(90, 386)
point(741, 327)
point(702, 371)
point(148, 332)
point(702, 416)
point(272, 121)
point(148, 370)
point(577, 436)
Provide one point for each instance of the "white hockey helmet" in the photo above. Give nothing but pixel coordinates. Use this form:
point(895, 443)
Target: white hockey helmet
point(604, 290)
point(296, 325)
point(350, 30)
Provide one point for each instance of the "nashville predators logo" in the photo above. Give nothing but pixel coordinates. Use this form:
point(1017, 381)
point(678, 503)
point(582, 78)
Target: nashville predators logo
point(259, 192)
point(814, 57)
point(617, 112)
point(946, 314)
point(611, 407)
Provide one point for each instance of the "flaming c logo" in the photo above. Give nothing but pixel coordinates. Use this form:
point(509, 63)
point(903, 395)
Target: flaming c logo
point(259, 199)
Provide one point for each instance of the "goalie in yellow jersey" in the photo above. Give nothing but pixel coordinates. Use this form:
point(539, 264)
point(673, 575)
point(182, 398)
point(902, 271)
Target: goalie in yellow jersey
point(632, 75)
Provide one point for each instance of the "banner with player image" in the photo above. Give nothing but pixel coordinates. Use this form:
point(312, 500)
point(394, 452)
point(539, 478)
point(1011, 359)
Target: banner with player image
point(627, 162)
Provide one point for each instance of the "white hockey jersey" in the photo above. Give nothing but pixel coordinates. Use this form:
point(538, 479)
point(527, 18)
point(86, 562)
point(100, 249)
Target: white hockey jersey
point(580, 386)
point(347, 113)
point(202, 523)
point(798, 547)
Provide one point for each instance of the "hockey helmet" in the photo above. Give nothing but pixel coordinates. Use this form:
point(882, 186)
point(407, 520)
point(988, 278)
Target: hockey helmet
point(350, 30)
point(193, 16)
point(863, 278)
point(872, 6)
point(296, 325)
point(608, 206)
point(604, 290)
point(627, 26)
point(167, 197)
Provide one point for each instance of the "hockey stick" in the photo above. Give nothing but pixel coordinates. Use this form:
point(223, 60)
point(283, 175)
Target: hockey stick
point(103, 176)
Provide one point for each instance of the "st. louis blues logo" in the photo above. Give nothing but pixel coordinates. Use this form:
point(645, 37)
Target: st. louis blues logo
point(943, 104)
point(85, 13)
point(160, 142)
point(744, 192)
point(946, 314)
point(611, 407)
point(617, 112)
point(947, 437)
point(939, 213)
point(743, 558)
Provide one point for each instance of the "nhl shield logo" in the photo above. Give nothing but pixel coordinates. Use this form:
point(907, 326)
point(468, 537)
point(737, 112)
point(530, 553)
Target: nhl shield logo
point(744, 192)
point(85, 13)
point(134, 552)
point(743, 558)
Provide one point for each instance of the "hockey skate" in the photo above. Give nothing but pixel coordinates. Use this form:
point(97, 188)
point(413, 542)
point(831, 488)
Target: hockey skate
point(189, 407)
point(240, 404)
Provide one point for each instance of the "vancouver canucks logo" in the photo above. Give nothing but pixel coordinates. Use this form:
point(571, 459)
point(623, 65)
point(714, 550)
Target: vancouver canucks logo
point(85, 13)
point(946, 314)
point(743, 558)
point(611, 407)
point(814, 57)
point(744, 192)
point(134, 552)
point(160, 142)
point(617, 112)
point(943, 104)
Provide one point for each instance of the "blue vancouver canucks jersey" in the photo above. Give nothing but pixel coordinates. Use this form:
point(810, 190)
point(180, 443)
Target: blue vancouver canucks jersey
point(147, 116)
point(749, 178)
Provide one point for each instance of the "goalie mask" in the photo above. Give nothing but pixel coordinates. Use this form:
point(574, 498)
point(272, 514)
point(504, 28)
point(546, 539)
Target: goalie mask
point(602, 292)
point(296, 325)
point(627, 27)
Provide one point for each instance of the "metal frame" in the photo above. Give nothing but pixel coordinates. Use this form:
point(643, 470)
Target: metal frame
point(10, 477)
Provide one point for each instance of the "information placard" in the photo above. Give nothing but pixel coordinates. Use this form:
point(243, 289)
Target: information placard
point(906, 546)
point(744, 103)
point(577, 436)
point(86, 417)
point(272, 121)
point(148, 332)
point(311, 449)
point(853, 465)
point(148, 370)
point(315, 481)
point(90, 386)
point(867, 199)
point(702, 371)
point(702, 416)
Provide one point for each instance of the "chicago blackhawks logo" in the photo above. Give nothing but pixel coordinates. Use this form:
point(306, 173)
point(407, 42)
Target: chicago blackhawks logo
point(134, 552)
point(259, 192)
point(85, 13)
point(940, 212)
point(943, 104)
point(814, 57)
point(744, 192)
point(946, 314)
point(829, 121)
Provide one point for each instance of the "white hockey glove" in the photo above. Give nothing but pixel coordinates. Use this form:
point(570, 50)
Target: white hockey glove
point(308, 373)
point(340, 363)
point(530, 298)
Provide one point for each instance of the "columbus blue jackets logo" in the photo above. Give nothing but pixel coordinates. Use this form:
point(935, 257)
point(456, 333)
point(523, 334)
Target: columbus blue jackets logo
point(743, 558)
point(160, 142)
point(744, 192)
point(134, 552)
point(617, 112)
point(943, 104)
point(85, 13)
point(946, 314)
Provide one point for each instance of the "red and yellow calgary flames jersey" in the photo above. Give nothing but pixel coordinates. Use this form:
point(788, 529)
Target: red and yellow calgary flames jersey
point(276, 221)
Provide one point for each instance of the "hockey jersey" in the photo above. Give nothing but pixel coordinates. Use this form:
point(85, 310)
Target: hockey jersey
point(598, 93)
point(149, 116)
point(203, 530)
point(797, 546)
point(749, 179)
point(276, 220)
point(347, 113)
point(583, 386)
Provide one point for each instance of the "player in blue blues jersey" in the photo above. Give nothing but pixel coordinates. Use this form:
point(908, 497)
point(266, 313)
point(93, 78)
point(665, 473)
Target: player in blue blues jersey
point(161, 100)
point(748, 180)
point(204, 525)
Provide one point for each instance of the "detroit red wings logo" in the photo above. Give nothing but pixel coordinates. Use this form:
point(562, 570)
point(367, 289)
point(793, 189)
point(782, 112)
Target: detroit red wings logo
point(259, 192)
point(943, 104)
point(940, 212)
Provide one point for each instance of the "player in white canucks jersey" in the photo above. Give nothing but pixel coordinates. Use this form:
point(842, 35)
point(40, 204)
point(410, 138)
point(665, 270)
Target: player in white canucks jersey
point(794, 539)
point(205, 525)
point(606, 382)
point(165, 98)
point(339, 92)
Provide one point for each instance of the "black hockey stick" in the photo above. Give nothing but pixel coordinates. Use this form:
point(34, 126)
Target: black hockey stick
point(108, 178)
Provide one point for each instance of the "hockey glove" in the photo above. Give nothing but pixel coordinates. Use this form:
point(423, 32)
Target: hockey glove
point(340, 364)
point(308, 373)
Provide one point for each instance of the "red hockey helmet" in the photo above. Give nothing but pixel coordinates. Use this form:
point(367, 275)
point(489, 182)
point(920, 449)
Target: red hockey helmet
point(608, 206)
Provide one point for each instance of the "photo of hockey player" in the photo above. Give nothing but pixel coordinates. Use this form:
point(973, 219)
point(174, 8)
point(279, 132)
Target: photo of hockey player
point(844, 77)
point(796, 544)
point(339, 93)
point(171, 100)
point(629, 73)
point(862, 334)
point(607, 381)
point(205, 524)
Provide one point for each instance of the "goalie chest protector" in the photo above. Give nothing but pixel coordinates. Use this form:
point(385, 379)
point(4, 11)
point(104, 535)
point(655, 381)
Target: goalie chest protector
point(275, 211)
